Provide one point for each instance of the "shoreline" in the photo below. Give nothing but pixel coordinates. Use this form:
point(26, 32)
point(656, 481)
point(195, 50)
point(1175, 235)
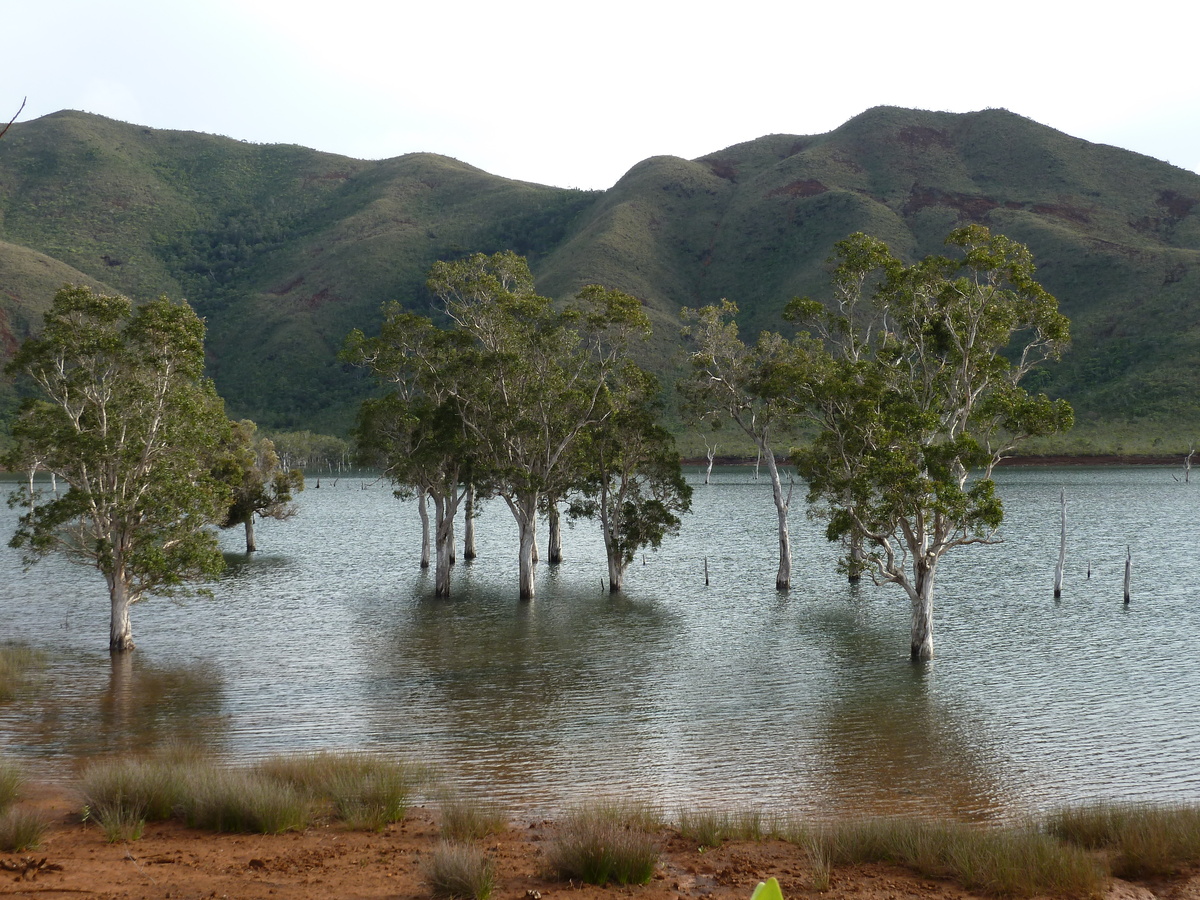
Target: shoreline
point(1048, 460)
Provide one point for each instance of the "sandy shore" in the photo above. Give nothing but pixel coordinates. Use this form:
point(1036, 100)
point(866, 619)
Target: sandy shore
point(177, 863)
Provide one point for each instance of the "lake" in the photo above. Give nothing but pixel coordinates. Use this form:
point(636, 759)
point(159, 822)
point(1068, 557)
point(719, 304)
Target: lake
point(676, 692)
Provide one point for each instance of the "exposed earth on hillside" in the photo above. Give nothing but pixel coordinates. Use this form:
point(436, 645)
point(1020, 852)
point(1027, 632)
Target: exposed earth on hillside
point(171, 861)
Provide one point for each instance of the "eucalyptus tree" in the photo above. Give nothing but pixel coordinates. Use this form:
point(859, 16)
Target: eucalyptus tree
point(632, 481)
point(541, 376)
point(127, 421)
point(914, 379)
point(259, 485)
point(416, 431)
point(750, 386)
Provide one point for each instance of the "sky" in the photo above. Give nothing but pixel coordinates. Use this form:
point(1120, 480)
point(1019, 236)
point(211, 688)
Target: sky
point(574, 94)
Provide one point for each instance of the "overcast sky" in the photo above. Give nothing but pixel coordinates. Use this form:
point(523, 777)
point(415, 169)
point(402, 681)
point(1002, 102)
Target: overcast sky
point(575, 94)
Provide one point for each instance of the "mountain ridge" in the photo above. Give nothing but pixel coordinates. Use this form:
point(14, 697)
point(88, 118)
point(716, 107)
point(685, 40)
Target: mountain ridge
point(285, 249)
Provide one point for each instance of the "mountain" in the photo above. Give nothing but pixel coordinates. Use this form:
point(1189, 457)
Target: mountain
point(285, 249)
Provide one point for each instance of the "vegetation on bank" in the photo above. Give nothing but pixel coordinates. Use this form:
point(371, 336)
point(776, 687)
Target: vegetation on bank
point(1071, 852)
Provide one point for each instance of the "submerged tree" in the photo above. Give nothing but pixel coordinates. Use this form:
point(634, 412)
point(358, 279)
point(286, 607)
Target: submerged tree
point(416, 431)
point(259, 485)
point(540, 378)
point(128, 422)
point(914, 381)
point(633, 484)
point(750, 386)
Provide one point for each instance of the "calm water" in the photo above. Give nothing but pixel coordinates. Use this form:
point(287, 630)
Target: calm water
point(676, 692)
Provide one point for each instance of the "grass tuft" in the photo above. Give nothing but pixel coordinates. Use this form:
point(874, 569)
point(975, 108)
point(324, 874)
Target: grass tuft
point(22, 829)
point(1140, 839)
point(235, 800)
point(596, 846)
point(469, 819)
point(1012, 862)
point(12, 779)
point(711, 828)
point(124, 790)
point(368, 792)
point(457, 871)
point(17, 662)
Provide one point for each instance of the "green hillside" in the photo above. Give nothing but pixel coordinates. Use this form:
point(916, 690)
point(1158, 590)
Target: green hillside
point(285, 249)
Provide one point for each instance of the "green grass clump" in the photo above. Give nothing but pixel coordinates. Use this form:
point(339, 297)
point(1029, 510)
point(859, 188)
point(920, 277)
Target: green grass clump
point(17, 661)
point(11, 781)
point(124, 790)
point(711, 828)
point(366, 791)
point(596, 846)
point(236, 800)
point(21, 829)
point(1011, 862)
point(457, 871)
point(469, 818)
point(1139, 839)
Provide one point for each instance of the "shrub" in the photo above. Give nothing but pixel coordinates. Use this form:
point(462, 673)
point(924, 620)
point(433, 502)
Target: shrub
point(469, 819)
point(458, 871)
point(21, 829)
point(595, 847)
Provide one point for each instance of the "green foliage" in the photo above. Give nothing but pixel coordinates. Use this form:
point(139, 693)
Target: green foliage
point(906, 378)
point(127, 421)
point(258, 484)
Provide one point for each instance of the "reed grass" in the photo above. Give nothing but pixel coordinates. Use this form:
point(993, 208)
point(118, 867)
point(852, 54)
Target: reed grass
point(711, 828)
point(22, 829)
point(460, 871)
point(121, 790)
point(468, 818)
point(596, 846)
point(12, 779)
point(17, 661)
point(237, 800)
point(1010, 862)
point(1139, 839)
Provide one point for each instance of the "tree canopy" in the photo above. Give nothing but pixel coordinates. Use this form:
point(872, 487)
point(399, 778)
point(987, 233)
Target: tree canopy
point(124, 417)
point(914, 381)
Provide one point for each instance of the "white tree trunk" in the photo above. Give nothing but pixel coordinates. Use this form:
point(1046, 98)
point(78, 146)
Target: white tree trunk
point(524, 509)
point(444, 544)
point(921, 595)
point(783, 577)
point(251, 546)
point(120, 632)
point(1062, 543)
point(469, 526)
point(554, 541)
point(616, 572)
point(423, 512)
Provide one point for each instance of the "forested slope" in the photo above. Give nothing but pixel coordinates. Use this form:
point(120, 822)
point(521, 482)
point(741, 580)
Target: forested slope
point(285, 249)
